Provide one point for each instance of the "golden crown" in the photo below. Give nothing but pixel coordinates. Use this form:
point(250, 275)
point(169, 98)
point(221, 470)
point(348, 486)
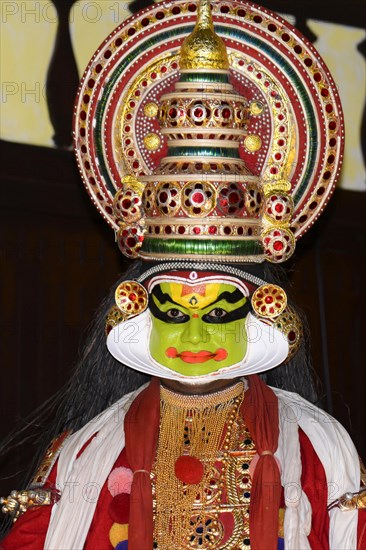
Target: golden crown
point(193, 149)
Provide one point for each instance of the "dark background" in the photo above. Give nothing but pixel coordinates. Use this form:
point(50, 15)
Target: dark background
point(58, 259)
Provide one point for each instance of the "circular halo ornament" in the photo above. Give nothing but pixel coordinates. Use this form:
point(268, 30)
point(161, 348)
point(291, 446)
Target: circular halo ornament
point(269, 301)
point(279, 207)
point(129, 239)
point(131, 298)
point(126, 205)
point(300, 125)
point(279, 244)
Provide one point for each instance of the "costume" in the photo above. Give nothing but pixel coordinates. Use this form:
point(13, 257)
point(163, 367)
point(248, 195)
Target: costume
point(210, 457)
point(342, 535)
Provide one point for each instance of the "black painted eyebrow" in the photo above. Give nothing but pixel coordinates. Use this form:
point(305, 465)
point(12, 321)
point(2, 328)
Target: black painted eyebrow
point(163, 297)
point(239, 313)
point(229, 297)
point(156, 311)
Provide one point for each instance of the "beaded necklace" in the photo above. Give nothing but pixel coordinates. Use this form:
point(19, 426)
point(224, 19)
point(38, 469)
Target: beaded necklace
point(200, 465)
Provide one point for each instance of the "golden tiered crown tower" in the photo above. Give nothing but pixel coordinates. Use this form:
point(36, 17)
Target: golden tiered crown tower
point(202, 202)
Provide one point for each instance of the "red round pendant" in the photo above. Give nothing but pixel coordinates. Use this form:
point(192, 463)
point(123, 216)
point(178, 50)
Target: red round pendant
point(188, 469)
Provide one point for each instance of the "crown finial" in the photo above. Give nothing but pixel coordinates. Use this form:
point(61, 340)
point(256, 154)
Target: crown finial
point(203, 48)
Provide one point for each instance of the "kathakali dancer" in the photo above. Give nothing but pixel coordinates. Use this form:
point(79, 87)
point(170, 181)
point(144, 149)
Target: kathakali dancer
point(210, 139)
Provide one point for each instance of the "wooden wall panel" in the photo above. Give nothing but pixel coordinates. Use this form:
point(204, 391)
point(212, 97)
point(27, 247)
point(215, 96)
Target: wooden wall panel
point(329, 284)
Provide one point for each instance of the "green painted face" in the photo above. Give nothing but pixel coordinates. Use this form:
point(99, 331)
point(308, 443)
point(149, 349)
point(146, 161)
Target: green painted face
point(198, 329)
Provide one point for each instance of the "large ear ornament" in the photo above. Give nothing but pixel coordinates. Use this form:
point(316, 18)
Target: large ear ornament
point(131, 299)
point(269, 304)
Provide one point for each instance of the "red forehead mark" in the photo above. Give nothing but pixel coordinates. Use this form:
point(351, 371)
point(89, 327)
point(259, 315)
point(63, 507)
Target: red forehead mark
point(195, 315)
point(196, 289)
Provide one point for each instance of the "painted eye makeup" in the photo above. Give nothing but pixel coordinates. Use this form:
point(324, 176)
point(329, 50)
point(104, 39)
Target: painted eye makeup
point(219, 315)
point(175, 315)
point(216, 315)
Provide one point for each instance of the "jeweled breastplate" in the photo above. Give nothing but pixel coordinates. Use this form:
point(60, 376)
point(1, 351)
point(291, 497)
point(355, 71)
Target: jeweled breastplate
point(201, 480)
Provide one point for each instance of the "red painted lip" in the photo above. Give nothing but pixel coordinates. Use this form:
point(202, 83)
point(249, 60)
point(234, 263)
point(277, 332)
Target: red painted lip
point(199, 357)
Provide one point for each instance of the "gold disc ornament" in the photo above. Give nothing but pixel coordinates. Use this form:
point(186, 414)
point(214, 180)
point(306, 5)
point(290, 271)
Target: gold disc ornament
point(269, 301)
point(131, 298)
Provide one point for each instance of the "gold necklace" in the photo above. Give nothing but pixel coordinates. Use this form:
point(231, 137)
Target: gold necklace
point(198, 426)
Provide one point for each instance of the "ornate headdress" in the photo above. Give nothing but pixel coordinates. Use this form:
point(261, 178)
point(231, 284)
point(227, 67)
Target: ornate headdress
point(207, 146)
point(198, 146)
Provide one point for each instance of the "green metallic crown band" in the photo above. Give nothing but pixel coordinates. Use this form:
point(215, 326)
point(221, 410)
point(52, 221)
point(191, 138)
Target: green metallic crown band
point(204, 77)
point(228, 152)
point(204, 247)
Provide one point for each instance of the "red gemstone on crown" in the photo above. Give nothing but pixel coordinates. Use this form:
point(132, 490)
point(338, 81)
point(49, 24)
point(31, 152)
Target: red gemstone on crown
point(198, 197)
point(198, 112)
point(278, 246)
point(126, 203)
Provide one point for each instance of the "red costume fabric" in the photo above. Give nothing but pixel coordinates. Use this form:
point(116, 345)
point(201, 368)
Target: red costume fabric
point(29, 532)
point(260, 413)
point(141, 432)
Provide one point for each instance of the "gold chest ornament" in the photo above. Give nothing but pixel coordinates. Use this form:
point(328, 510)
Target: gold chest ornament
point(212, 512)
